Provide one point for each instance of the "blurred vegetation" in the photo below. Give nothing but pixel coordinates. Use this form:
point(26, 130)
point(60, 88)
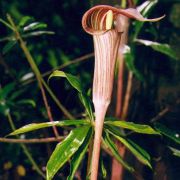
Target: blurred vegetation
point(21, 97)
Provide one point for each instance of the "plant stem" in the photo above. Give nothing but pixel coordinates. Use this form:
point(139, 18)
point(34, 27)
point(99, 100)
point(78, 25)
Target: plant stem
point(89, 157)
point(26, 151)
point(117, 168)
point(119, 96)
point(70, 62)
point(6, 24)
point(33, 141)
point(100, 112)
point(127, 96)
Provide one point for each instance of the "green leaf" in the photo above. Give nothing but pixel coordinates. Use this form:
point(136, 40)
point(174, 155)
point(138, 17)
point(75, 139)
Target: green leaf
point(6, 24)
point(114, 129)
point(73, 80)
point(176, 152)
point(6, 90)
point(78, 156)
point(37, 33)
point(36, 126)
point(27, 102)
point(139, 128)
point(25, 20)
point(139, 152)
point(52, 59)
point(16, 94)
point(64, 150)
point(103, 169)
point(4, 109)
point(168, 132)
point(110, 144)
point(8, 46)
point(35, 25)
point(162, 48)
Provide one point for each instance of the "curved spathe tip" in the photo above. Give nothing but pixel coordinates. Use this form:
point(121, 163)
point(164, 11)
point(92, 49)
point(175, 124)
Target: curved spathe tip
point(94, 20)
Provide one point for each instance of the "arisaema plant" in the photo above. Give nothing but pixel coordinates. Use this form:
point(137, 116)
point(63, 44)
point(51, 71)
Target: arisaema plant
point(95, 130)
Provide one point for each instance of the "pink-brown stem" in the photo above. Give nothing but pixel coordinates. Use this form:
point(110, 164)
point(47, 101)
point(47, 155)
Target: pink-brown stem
point(117, 169)
point(100, 115)
point(127, 96)
point(119, 97)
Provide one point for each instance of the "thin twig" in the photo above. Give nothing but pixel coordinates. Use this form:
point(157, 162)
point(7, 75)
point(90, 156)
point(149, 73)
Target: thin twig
point(70, 62)
point(27, 141)
point(48, 108)
point(61, 107)
point(163, 112)
point(158, 116)
point(77, 60)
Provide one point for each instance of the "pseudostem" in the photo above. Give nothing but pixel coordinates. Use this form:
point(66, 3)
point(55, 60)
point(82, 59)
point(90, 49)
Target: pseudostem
point(100, 115)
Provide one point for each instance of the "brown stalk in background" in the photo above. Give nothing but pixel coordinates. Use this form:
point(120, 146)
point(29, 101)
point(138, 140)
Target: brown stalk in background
point(117, 169)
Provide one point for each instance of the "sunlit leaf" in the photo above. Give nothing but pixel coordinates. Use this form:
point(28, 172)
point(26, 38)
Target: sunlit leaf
point(27, 76)
point(135, 149)
point(8, 46)
point(145, 10)
point(35, 25)
point(37, 33)
point(168, 132)
point(146, 6)
point(78, 156)
point(162, 48)
point(139, 128)
point(111, 145)
point(36, 126)
point(65, 150)
point(176, 152)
